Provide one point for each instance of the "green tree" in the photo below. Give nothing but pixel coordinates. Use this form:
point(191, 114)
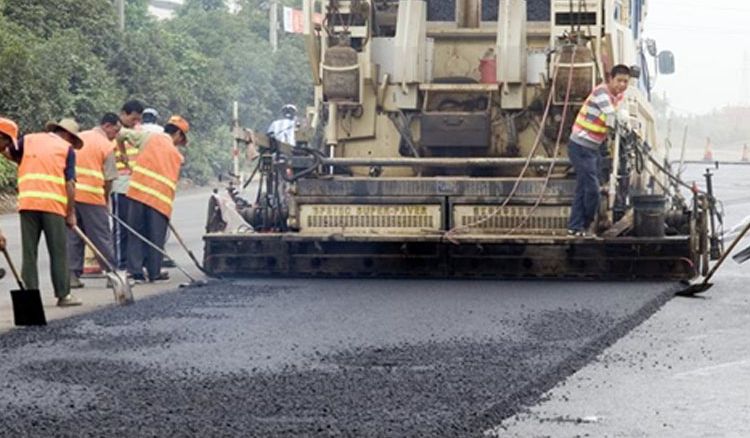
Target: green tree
point(65, 58)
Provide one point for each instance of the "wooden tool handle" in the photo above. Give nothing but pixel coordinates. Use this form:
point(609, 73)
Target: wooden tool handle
point(13, 270)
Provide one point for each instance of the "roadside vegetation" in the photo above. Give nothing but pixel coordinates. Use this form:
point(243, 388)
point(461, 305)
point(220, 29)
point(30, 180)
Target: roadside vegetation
point(67, 58)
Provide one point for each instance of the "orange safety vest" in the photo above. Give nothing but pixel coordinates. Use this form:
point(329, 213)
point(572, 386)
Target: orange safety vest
point(132, 154)
point(41, 174)
point(155, 174)
point(90, 167)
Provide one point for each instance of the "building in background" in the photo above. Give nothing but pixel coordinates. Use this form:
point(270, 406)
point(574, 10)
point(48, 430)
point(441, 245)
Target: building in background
point(163, 9)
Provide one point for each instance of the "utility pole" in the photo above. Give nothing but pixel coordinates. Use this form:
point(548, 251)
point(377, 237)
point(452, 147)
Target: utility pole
point(120, 6)
point(273, 25)
point(745, 93)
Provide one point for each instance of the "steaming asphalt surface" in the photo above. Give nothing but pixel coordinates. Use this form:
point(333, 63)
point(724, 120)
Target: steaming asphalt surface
point(312, 358)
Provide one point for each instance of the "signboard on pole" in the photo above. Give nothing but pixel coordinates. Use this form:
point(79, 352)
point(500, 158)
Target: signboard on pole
point(294, 20)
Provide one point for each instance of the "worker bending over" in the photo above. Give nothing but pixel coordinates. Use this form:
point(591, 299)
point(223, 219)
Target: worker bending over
point(46, 201)
point(151, 193)
point(95, 171)
point(8, 140)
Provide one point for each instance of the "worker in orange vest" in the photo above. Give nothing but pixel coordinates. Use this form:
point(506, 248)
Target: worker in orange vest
point(151, 193)
point(46, 201)
point(8, 141)
point(130, 116)
point(95, 171)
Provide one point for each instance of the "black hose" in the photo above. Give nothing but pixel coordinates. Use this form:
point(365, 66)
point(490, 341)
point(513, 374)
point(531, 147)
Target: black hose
point(252, 175)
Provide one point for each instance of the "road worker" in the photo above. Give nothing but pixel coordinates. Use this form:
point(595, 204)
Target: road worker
point(283, 128)
point(130, 117)
point(596, 117)
point(95, 171)
point(150, 119)
point(151, 193)
point(8, 140)
point(151, 124)
point(46, 201)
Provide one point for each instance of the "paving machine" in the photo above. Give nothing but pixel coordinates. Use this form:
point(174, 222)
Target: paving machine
point(436, 147)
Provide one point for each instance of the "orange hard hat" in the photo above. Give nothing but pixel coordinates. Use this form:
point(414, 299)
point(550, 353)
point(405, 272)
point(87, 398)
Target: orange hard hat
point(180, 123)
point(9, 128)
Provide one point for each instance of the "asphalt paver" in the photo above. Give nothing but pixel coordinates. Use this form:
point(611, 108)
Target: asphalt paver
point(312, 357)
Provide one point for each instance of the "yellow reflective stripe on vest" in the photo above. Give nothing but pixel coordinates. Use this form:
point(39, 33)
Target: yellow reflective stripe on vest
point(89, 172)
point(89, 188)
point(151, 174)
point(584, 123)
point(128, 151)
point(42, 177)
point(152, 192)
point(43, 195)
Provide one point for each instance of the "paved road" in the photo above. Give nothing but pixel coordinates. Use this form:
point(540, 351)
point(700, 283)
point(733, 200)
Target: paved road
point(684, 373)
point(189, 220)
point(341, 358)
point(313, 358)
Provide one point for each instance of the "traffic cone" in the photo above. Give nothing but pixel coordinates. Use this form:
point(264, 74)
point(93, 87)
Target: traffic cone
point(745, 153)
point(91, 268)
point(708, 155)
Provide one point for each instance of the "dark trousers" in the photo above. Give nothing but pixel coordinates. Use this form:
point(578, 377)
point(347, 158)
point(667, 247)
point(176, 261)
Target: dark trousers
point(33, 223)
point(120, 204)
point(586, 202)
point(153, 226)
point(94, 222)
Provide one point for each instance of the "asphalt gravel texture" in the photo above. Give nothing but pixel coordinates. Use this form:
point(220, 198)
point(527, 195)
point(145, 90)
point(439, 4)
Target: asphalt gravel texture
point(312, 358)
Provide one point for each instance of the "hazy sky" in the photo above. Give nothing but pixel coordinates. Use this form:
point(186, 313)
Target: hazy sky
point(711, 42)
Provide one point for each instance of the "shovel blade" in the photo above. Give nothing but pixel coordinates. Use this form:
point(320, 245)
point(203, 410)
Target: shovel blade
point(695, 289)
point(28, 309)
point(121, 288)
point(742, 256)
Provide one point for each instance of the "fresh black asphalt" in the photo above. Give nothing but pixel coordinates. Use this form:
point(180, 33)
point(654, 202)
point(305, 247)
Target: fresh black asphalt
point(312, 358)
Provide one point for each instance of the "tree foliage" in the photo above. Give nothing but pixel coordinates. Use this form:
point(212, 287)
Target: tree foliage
point(66, 58)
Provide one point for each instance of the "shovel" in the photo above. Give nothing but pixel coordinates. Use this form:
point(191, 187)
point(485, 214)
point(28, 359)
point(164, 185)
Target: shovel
point(702, 286)
point(193, 281)
point(120, 285)
point(185, 247)
point(28, 309)
point(742, 256)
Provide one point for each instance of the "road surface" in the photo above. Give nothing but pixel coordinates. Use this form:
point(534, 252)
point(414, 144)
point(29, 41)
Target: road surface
point(385, 358)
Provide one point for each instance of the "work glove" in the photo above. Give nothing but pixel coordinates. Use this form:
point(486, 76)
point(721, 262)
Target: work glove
point(623, 118)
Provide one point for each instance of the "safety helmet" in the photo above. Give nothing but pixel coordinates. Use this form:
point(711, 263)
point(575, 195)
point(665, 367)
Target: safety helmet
point(9, 128)
point(289, 110)
point(180, 123)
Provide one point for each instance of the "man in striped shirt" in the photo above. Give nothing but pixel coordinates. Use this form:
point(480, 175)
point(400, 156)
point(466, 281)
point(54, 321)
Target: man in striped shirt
point(595, 119)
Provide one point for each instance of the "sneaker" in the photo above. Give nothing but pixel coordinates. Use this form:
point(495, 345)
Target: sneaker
point(75, 282)
point(68, 301)
point(572, 232)
point(585, 234)
point(136, 278)
point(163, 276)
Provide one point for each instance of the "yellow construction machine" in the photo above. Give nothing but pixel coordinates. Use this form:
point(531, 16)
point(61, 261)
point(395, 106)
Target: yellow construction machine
point(436, 147)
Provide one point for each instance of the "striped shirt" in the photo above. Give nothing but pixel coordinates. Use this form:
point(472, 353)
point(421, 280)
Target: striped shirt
point(595, 117)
